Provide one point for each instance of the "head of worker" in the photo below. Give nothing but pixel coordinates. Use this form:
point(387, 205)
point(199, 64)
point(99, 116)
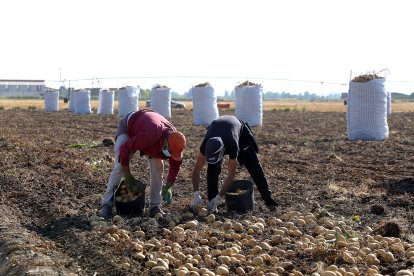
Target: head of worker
point(214, 150)
point(174, 146)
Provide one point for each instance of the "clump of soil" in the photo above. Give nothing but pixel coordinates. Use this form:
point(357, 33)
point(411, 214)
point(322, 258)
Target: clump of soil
point(389, 229)
point(402, 186)
point(377, 210)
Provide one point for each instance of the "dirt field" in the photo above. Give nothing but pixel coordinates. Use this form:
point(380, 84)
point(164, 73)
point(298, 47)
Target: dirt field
point(362, 191)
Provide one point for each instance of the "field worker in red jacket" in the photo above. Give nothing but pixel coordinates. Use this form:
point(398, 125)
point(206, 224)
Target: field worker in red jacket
point(156, 138)
point(230, 136)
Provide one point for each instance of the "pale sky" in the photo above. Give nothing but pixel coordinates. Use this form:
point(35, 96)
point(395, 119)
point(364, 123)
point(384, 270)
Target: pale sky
point(224, 42)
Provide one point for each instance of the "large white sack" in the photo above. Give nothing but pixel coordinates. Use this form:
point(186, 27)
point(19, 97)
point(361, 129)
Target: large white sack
point(51, 101)
point(204, 105)
point(106, 102)
point(83, 102)
point(128, 100)
point(161, 100)
point(249, 104)
point(367, 111)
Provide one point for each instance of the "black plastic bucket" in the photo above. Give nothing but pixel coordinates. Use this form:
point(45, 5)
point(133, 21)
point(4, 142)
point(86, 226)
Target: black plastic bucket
point(131, 208)
point(242, 202)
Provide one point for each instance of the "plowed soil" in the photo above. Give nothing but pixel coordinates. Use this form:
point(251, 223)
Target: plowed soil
point(54, 169)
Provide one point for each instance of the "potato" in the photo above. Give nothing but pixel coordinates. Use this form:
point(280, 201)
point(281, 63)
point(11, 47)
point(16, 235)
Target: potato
point(117, 219)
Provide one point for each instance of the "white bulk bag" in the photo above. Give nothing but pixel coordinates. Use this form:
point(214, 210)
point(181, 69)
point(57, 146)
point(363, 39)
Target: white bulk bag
point(367, 111)
point(83, 102)
point(72, 101)
point(106, 102)
point(161, 100)
point(51, 101)
point(249, 104)
point(204, 105)
point(127, 100)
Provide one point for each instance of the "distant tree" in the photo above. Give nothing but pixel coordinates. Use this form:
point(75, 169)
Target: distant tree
point(270, 95)
point(285, 95)
point(314, 97)
point(175, 95)
point(144, 94)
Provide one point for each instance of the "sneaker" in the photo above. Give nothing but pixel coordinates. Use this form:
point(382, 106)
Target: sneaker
point(271, 208)
point(106, 211)
point(213, 211)
point(271, 205)
point(155, 210)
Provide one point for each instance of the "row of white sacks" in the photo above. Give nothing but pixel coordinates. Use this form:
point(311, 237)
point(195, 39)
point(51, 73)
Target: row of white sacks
point(80, 101)
point(248, 103)
point(368, 105)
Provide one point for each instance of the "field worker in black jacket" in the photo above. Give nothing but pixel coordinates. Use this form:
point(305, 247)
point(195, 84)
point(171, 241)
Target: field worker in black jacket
point(228, 135)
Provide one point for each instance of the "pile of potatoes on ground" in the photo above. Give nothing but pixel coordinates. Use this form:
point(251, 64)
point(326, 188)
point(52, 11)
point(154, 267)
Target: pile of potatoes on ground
point(291, 244)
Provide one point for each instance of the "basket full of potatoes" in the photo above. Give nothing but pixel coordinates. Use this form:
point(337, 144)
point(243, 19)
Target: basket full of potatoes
point(239, 197)
point(128, 203)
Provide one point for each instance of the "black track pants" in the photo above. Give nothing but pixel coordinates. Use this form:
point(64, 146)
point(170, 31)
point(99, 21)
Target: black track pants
point(247, 157)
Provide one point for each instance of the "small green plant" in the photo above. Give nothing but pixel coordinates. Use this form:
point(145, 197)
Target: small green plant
point(1, 107)
point(287, 109)
point(32, 107)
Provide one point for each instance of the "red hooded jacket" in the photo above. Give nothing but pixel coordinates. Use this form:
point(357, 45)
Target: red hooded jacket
point(147, 130)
